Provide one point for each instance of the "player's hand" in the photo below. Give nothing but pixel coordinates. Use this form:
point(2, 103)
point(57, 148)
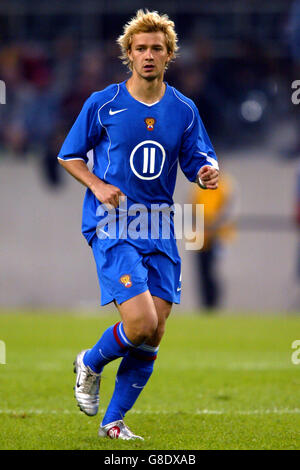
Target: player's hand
point(209, 176)
point(108, 194)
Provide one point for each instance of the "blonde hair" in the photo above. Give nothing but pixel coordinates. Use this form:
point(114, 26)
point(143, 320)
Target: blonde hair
point(147, 22)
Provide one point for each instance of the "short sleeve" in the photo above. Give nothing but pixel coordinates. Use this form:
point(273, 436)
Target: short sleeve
point(84, 134)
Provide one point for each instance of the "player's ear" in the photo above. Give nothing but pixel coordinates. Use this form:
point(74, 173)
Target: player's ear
point(169, 58)
point(129, 55)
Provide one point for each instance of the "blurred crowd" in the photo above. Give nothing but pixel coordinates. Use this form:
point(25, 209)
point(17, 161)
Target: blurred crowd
point(48, 82)
point(45, 90)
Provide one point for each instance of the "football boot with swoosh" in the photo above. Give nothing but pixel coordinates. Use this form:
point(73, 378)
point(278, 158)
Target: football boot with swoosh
point(117, 430)
point(87, 385)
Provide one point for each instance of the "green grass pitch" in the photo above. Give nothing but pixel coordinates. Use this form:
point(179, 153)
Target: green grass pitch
point(220, 382)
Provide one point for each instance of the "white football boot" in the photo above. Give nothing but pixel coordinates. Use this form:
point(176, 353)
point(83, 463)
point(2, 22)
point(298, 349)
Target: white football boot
point(87, 385)
point(117, 430)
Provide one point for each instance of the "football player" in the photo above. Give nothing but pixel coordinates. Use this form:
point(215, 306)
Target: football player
point(139, 130)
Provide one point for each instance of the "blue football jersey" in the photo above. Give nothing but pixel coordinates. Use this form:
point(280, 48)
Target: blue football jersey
point(137, 147)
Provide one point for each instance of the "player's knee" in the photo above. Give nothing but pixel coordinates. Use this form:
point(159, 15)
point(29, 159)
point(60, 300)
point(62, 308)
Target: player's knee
point(157, 335)
point(144, 329)
point(150, 328)
point(160, 331)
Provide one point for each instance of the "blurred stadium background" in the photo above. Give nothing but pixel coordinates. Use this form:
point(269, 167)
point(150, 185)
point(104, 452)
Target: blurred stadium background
point(238, 59)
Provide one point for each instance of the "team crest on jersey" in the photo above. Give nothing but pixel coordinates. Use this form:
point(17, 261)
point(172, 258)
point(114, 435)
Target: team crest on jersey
point(126, 280)
point(150, 123)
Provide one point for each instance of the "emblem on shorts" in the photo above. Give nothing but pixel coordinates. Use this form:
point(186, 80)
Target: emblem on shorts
point(126, 280)
point(150, 123)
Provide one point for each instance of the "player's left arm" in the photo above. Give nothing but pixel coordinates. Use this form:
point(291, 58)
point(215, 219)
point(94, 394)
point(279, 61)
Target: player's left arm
point(197, 158)
point(208, 177)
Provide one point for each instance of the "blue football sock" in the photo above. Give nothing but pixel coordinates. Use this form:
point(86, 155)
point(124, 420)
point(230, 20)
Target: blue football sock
point(112, 344)
point(134, 372)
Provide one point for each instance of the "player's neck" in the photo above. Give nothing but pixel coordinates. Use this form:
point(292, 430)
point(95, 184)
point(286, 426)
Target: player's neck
point(146, 91)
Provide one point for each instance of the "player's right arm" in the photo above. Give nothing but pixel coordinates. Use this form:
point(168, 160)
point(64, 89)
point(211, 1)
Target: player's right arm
point(83, 136)
point(104, 192)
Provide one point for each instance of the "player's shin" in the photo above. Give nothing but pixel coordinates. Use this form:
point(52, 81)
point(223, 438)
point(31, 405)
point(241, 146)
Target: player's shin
point(133, 374)
point(112, 344)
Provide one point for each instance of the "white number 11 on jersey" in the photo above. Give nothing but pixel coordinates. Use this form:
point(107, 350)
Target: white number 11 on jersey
point(146, 160)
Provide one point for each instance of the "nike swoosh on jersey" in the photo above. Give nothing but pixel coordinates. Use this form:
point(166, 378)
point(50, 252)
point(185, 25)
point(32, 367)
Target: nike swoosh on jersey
point(137, 386)
point(111, 112)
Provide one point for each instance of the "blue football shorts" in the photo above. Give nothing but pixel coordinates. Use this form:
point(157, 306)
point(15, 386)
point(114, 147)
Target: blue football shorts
point(126, 270)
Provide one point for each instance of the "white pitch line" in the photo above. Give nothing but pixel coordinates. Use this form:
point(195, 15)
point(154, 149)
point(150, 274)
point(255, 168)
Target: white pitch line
point(257, 366)
point(250, 412)
point(236, 366)
point(262, 411)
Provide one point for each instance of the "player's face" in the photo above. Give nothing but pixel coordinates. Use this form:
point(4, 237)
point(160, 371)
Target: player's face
point(149, 55)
